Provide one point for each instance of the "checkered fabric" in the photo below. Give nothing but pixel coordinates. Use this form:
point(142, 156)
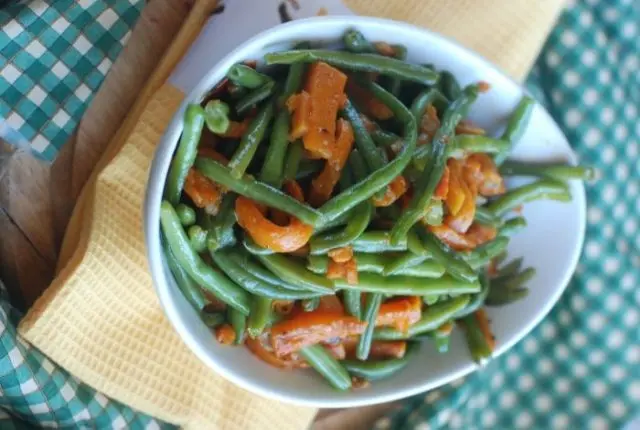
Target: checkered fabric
point(54, 55)
point(34, 390)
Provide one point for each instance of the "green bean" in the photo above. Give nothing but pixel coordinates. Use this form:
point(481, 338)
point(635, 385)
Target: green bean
point(476, 342)
point(561, 172)
point(204, 275)
point(250, 141)
point(432, 318)
point(384, 138)
point(477, 300)
point(186, 214)
point(260, 316)
point(371, 310)
point(254, 248)
point(541, 189)
point(501, 297)
point(431, 175)
point(463, 144)
point(408, 285)
point(324, 363)
point(256, 96)
point(486, 217)
point(197, 238)
point(216, 116)
point(353, 303)
point(357, 165)
point(403, 261)
point(380, 369)
point(377, 241)
point(516, 126)
point(515, 281)
point(449, 86)
point(455, 266)
point(430, 300)
point(257, 191)
point(239, 323)
point(273, 169)
point(308, 168)
point(483, 254)
point(356, 225)
point(422, 100)
point(294, 155)
point(310, 305)
point(434, 213)
point(245, 76)
point(366, 188)
point(220, 227)
point(357, 62)
point(296, 274)
point(185, 154)
point(366, 147)
point(190, 290)
point(213, 320)
point(400, 52)
point(375, 263)
point(245, 276)
point(511, 268)
point(354, 41)
point(512, 226)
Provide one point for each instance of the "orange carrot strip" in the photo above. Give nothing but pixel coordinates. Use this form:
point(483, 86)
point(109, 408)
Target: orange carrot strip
point(300, 106)
point(267, 234)
point(342, 254)
point(483, 324)
point(225, 334)
point(400, 313)
point(364, 98)
point(309, 328)
point(351, 271)
point(336, 270)
point(202, 191)
point(442, 189)
point(393, 192)
point(205, 151)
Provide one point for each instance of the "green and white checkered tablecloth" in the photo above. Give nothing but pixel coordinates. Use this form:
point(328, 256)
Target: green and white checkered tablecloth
point(54, 55)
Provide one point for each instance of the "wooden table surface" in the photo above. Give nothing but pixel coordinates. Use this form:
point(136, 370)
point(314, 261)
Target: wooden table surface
point(36, 198)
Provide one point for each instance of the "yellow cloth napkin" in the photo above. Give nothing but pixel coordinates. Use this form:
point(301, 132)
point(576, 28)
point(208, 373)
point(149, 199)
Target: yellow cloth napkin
point(100, 318)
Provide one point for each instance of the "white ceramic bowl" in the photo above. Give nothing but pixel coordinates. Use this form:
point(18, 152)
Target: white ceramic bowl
point(551, 243)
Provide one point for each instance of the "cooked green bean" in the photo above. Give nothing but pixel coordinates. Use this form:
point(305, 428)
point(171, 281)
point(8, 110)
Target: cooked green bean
point(432, 318)
point(294, 155)
point(216, 116)
point(486, 217)
point(501, 297)
point(511, 268)
point(403, 261)
point(366, 188)
point(375, 263)
point(203, 274)
point(514, 281)
point(449, 86)
point(324, 363)
point(371, 310)
point(220, 232)
point(254, 248)
point(213, 320)
point(187, 286)
point(354, 41)
point(442, 343)
point(561, 172)
point(257, 191)
point(260, 315)
point(516, 126)
point(356, 225)
point(186, 214)
point(352, 303)
point(434, 213)
point(245, 276)
point(477, 300)
point(463, 144)
point(366, 147)
point(476, 342)
point(250, 141)
point(247, 77)
point(440, 253)
point(512, 226)
point(197, 238)
point(409, 285)
point(310, 305)
point(400, 52)
point(436, 152)
point(377, 241)
point(483, 254)
point(357, 62)
point(296, 274)
point(185, 154)
point(541, 189)
point(256, 96)
point(239, 323)
point(422, 100)
point(380, 369)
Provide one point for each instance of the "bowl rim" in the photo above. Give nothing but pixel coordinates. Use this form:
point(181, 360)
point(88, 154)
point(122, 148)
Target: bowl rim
point(153, 197)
